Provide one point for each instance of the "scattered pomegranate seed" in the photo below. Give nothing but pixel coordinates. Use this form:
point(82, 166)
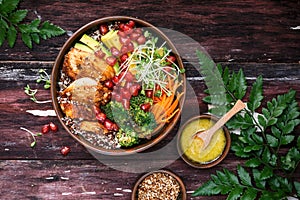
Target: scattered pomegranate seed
point(53, 127)
point(45, 129)
point(65, 150)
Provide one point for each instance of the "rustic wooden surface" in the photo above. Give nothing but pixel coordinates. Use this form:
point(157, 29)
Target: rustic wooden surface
point(259, 36)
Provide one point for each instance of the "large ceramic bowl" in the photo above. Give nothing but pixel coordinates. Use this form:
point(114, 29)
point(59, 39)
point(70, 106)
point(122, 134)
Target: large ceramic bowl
point(159, 133)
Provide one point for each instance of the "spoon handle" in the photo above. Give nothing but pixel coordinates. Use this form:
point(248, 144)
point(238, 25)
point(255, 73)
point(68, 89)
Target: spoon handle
point(207, 135)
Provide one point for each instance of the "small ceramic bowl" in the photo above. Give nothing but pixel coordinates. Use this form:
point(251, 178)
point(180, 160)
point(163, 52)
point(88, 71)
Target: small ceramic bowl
point(182, 192)
point(216, 159)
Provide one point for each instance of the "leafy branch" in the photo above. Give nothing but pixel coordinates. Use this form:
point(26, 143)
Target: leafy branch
point(11, 23)
point(262, 135)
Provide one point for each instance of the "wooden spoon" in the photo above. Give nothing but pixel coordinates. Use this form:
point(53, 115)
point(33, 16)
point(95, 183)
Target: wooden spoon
point(207, 134)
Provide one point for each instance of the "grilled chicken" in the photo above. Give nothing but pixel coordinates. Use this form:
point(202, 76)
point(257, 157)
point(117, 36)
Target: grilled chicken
point(78, 98)
point(78, 64)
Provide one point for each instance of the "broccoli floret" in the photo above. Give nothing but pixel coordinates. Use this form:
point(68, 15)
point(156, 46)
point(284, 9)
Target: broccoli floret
point(127, 139)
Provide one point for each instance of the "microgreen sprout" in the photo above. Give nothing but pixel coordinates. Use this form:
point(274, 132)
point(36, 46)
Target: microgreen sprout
point(33, 135)
point(44, 77)
point(151, 67)
point(32, 92)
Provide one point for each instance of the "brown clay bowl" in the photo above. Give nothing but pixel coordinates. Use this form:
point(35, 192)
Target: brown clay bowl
point(212, 162)
point(182, 194)
point(159, 133)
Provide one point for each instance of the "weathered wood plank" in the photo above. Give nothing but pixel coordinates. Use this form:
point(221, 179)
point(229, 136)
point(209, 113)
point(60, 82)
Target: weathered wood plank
point(242, 31)
point(84, 179)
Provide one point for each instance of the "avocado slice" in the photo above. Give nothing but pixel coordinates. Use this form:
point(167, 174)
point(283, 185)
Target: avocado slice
point(94, 44)
point(111, 39)
point(83, 47)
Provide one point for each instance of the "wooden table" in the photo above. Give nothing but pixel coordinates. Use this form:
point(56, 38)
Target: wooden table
point(261, 37)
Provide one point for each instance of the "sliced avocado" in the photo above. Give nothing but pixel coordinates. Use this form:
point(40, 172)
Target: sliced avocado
point(94, 44)
point(111, 39)
point(83, 47)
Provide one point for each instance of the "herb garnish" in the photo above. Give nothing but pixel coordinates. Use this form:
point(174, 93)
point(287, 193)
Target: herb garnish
point(33, 135)
point(11, 20)
point(43, 77)
point(268, 171)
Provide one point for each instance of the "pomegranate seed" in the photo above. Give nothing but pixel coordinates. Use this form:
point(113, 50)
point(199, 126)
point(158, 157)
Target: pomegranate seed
point(127, 29)
point(53, 127)
point(101, 117)
point(141, 40)
point(100, 54)
point(116, 80)
point(115, 127)
point(171, 59)
point(108, 124)
point(103, 29)
point(138, 30)
point(125, 94)
point(115, 52)
point(45, 129)
point(149, 93)
point(145, 107)
point(134, 36)
point(110, 60)
point(121, 27)
point(124, 49)
point(124, 57)
point(97, 110)
point(65, 150)
point(131, 23)
point(130, 47)
point(124, 40)
point(109, 84)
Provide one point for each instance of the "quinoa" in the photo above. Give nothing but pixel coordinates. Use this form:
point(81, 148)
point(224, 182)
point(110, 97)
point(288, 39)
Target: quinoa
point(157, 186)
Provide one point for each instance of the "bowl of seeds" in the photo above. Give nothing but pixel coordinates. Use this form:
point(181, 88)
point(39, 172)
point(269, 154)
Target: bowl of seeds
point(160, 184)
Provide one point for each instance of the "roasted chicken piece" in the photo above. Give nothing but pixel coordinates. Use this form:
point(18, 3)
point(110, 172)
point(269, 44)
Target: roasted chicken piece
point(78, 64)
point(77, 100)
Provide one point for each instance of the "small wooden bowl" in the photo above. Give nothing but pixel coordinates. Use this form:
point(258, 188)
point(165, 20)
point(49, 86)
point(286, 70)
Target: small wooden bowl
point(182, 195)
point(213, 162)
point(159, 133)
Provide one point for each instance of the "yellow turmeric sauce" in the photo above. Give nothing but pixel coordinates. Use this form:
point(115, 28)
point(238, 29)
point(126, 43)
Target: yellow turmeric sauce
point(192, 146)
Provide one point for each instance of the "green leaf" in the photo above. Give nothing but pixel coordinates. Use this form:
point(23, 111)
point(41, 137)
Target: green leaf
point(253, 162)
point(17, 16)
point(276, 132)
point(266, 173)
point(232, 178)
point(242, 86)
point(249, 194)
point(207, 189)
point(244, 176)
point(287, 139)
point(7, 6)
point(289, 127)
point(49, 30)
point(271, 121)
point(27, 40)
point(258, 181)
point(297, 187)
point(235, 193)
point(255, 96)
point(11, 36)
point(262, 121)
point(272, 141)
point(2, 32)
point(35, 38)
